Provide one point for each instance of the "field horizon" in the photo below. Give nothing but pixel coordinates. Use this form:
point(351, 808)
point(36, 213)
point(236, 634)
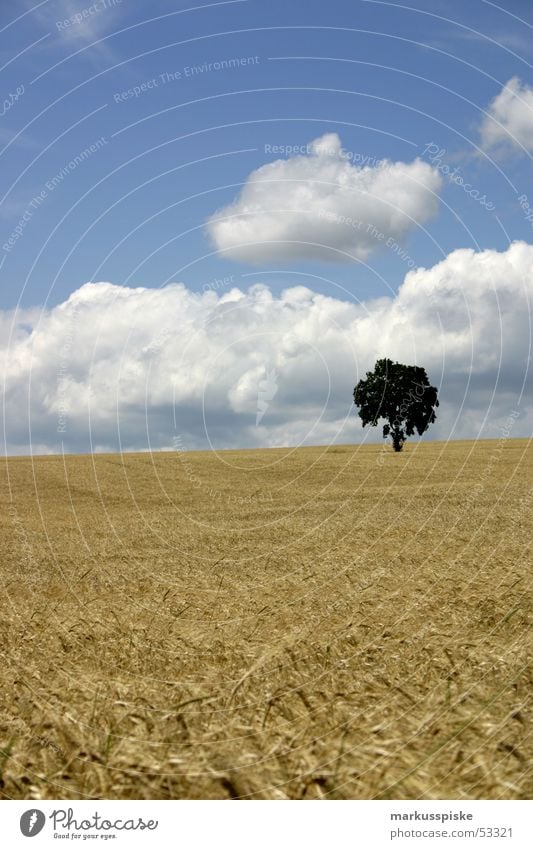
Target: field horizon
point(412, 444)
point(332, 622)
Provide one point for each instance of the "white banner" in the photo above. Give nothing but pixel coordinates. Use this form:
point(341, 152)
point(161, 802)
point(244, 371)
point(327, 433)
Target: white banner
point(264, 825)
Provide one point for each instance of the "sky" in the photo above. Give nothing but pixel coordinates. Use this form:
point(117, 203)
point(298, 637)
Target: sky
point(215, 217)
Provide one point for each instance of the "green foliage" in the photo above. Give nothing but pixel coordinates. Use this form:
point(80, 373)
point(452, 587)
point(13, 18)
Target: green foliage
point(399, 394)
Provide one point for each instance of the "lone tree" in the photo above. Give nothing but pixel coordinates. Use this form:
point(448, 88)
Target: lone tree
point(401, 395)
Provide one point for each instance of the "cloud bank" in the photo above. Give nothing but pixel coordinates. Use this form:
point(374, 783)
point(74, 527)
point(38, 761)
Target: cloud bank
point(509, 119)
point(114, 367)
point(320, 206)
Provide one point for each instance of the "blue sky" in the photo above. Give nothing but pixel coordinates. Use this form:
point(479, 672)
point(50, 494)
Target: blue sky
point(419, 79)
point(129, 129)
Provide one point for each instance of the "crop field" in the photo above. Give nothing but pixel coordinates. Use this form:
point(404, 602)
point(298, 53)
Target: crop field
point(333, 622)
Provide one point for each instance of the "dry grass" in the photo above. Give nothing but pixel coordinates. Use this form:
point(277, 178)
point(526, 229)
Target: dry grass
point(355, 627)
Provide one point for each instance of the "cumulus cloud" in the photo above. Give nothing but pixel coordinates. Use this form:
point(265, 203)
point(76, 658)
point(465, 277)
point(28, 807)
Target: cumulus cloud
point(320, 205)
point(115, 367)
point(509, 119)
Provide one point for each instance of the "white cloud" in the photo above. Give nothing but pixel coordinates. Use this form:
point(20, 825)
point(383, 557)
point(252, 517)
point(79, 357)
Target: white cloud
point(321, 206)
point(80, 25)
point(509, 119)
point(136, 368)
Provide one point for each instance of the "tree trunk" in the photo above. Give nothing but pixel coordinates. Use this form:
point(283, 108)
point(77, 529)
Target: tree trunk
point(397, 441)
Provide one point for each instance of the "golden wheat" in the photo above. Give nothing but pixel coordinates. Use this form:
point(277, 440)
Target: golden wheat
point(335, 622)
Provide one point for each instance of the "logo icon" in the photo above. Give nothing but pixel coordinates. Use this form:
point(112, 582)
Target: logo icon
point(266, 391)
point(32, 822)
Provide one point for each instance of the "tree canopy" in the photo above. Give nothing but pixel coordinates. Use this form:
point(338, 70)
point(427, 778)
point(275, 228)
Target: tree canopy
point(399, 394)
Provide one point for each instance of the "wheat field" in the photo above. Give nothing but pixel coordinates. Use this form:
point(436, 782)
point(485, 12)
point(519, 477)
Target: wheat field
point(333, 623)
